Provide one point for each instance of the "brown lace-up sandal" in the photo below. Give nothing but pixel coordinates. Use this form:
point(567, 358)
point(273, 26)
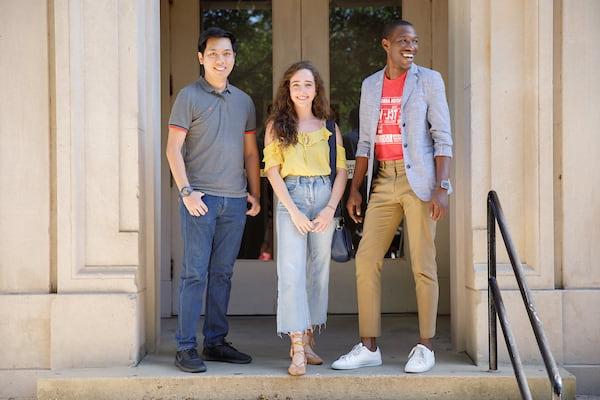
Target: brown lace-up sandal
point(312, 358)
point(298, 365)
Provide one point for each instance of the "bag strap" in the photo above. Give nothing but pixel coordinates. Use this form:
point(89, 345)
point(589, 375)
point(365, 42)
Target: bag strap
point(330, 124)
point(332, 149)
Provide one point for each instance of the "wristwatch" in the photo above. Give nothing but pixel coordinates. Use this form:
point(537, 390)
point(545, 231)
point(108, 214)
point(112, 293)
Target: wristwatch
point(186, 191)
point(445, 184)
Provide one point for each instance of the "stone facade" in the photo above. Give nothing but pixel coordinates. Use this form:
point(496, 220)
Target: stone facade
point(80, 172)
point(74, 124)
point(522, 92)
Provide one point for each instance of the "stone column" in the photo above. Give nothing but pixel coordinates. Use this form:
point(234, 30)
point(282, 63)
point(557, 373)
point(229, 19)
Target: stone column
point(578, 209)
point(25, 242)
point(502, 93)
point(102, 110)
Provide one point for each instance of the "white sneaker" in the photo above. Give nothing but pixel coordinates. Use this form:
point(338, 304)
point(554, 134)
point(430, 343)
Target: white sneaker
point(358, 357)
point(420, 359)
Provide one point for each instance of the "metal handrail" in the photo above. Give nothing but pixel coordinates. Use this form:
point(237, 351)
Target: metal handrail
point(496, 306)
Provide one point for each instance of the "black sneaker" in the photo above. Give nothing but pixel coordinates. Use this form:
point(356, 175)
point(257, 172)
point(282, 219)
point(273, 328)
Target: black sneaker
point(225, 352)
point(189, 361)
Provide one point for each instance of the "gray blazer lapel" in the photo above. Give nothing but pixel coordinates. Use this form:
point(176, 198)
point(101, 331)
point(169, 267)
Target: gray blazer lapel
point(376, 103)
point(409, 84)
point(373, 92)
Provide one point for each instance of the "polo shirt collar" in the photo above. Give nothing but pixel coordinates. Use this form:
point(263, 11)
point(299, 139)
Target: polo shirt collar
point(210, 89)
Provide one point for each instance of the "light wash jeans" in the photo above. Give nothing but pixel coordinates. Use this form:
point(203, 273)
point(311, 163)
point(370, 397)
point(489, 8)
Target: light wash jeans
point(303, 260)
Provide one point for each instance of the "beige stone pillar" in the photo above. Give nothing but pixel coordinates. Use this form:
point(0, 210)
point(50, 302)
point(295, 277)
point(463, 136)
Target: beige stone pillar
point(25, 220)
point(578, 209)
point(502, 94)
point(459, 94)
point(106, 107)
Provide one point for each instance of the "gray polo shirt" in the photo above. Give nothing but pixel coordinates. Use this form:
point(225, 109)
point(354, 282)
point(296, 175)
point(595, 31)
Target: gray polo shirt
point(213, 151)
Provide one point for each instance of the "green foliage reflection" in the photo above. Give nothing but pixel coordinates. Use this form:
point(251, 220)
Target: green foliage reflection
point(355, 52)
point(253, 66)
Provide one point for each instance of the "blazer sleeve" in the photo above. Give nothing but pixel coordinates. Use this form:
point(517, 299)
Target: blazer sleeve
point(363, 148)
point(438, 117)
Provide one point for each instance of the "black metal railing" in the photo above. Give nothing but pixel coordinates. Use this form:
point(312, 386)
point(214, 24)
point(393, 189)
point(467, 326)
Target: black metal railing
point(496, 306)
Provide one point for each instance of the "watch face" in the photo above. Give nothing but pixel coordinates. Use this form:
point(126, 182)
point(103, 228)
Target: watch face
point(186, 191)
point(445, 185)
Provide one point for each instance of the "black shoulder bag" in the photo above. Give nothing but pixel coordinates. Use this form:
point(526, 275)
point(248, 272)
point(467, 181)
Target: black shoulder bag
point(342, 249)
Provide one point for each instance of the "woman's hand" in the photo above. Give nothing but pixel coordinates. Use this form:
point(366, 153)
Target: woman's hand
point(194, 204)
point(323, 219)
point(303, 224)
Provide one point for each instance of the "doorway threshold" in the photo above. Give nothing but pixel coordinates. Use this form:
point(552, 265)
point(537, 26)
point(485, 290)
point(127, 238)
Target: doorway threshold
point(266, 378)
point(256, 335)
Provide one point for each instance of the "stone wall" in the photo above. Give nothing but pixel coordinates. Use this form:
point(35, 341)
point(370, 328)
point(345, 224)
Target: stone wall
point(75, 130)
point(525, 90)
point(25, 168)
point(576, 178)
point(80, 177)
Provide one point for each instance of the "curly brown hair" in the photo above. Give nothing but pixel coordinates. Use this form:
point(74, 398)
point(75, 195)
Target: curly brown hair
point(283, 114)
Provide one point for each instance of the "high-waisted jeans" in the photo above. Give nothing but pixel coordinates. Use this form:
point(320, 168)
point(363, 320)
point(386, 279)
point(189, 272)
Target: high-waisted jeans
point(303, 260)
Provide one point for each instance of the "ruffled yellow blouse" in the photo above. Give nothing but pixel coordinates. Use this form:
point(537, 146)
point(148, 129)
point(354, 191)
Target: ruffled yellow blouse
point(308, 157)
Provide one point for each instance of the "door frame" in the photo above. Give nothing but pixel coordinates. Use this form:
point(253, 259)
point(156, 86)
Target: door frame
point(157, 246)
point(296, 24)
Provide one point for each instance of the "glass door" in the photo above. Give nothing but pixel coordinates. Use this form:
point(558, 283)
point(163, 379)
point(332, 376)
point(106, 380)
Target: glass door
point(342, 38)
point(355, 52)
point(252, 24)
point(272, 35)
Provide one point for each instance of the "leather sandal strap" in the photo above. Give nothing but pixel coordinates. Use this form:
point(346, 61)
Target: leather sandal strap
point(310, 341)
point(300, 364)
point(310, 352)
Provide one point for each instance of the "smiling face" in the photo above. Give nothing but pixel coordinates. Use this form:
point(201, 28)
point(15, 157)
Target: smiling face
point(218, 59)
point(302, 88)
point(401, 47)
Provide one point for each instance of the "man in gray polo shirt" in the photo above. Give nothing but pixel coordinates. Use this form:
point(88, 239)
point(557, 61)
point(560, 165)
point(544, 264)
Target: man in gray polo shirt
point(212, 153)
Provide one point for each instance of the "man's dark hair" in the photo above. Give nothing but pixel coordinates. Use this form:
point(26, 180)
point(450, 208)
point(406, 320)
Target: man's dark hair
point(215, 32)
point(390, 26)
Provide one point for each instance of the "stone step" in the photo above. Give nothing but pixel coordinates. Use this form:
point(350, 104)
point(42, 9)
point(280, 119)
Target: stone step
point(158, 379)
point(454, 376)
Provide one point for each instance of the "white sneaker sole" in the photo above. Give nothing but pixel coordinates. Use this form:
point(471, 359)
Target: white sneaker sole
point(361, 365)
point(417, 371)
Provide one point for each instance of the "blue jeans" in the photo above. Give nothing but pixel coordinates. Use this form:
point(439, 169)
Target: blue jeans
point(303, 260)
point(210, 246)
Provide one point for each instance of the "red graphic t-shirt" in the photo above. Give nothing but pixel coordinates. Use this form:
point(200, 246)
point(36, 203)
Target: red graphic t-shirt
point(388, 141)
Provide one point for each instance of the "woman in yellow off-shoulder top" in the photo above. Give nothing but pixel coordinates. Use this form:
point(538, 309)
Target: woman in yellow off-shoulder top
point(296, 157)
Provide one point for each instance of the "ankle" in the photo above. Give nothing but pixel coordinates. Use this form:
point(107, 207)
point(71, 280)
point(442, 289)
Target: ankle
point(308, 338)
point(369, 343)
point(297, 339)
point(427, 343)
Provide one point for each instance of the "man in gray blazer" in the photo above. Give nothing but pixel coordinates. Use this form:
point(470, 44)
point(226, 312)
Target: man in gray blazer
point(406, 145)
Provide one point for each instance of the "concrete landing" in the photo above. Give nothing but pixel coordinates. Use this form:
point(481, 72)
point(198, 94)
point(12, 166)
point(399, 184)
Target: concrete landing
point(454, 377)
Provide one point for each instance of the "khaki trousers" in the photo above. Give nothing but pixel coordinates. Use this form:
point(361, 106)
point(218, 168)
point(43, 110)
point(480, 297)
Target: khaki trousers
point(392, 199)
